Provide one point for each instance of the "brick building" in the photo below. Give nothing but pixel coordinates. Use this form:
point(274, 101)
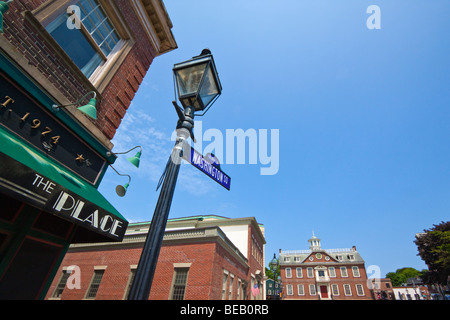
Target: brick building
point(81, 52)
point(202, 258)
point(320, 274)
point(381, 289)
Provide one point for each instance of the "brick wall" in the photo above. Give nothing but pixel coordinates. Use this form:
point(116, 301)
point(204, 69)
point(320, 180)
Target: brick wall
point(28, 39)
point(208, 261)
point(339, 280)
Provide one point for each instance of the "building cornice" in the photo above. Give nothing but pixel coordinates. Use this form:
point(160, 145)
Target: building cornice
point(180, 236)
point(156, 22)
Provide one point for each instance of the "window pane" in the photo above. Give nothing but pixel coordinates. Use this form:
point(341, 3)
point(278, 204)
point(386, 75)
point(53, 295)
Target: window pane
point(179, 284)
point(74, 43)
point(98, 25)
point(95, 284)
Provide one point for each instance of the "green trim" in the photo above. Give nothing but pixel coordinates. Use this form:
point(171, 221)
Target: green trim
point(16, 73)
point(28, 155)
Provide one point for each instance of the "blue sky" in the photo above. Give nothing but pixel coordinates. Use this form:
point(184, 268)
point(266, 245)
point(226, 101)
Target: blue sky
point(363, 119)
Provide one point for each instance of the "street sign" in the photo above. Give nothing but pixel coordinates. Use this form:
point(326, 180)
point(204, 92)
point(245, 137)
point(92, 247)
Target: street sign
point(209, 166)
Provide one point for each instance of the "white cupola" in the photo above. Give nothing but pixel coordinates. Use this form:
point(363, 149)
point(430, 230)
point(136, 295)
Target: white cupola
point(314, 243)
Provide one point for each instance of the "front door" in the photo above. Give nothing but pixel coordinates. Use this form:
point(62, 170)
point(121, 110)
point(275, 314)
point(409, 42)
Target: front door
point(323, 292)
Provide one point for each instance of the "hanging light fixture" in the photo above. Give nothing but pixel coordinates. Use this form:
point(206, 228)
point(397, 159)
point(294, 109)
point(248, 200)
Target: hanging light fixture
point(135, 160)
point(4, 6)
point(88, 109)
point(121, 190)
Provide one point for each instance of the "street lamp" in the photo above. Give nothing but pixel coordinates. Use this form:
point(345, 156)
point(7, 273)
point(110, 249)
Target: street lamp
point(198, 88)
point(274, 266)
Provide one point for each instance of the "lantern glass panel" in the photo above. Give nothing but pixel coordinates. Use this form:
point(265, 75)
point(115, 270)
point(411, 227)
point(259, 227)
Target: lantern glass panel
point(209, 88)
point(189, 79)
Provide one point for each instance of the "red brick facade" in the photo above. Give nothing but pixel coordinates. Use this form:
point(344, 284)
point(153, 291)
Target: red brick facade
point(205, 251)
point(317, 274)
point(45, 62)
point(24, 30)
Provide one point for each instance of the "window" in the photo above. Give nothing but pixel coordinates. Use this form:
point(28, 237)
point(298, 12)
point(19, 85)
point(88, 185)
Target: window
point(299, 272)
point(344, 272)
point(301, 289)
point(239, 289)
point(347, 290)
point(230, 289)
point(224, 284)
point(179, 283)
point(130, 283)
point(61, 284)
point(335, 289)
point(359, 290)
point(89, 45)
point(289, 290)
point(332, 272)
point(288, 273)
point(95, 284)
point(312, 290)
point(310, 272)
point(286, 259)
point(355, 271)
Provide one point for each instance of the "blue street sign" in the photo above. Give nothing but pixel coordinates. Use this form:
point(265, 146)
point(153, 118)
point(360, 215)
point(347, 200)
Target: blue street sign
point(209, 168)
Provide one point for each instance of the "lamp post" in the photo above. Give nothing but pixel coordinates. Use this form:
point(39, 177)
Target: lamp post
point(198, 87)
point(274, 266)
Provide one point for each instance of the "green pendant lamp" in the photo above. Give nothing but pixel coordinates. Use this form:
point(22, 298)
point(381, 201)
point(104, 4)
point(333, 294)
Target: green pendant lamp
point(136, 159)
point(90, 109)
point(4, 6)
point(121, 190)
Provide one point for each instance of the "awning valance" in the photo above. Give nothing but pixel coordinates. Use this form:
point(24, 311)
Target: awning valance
point(30, 176)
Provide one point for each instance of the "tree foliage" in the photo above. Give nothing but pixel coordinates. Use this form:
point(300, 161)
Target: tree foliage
point(434, 249)
point(400, 276)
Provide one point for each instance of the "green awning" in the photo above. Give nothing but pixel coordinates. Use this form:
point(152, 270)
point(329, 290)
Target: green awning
point(31, 176)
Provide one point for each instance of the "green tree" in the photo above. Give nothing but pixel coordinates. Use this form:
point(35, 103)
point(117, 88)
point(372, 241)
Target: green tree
point(400, 276)
point(434, 249)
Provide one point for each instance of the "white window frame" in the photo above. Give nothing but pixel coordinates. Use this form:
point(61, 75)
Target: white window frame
point(312, 290)
point(289, 290)
point(335, 289)
point(344, 273)
point(310, 272)
point(349, 293)
point(355, 271)
point(300, 290)
point(288, 272)
point(299, 272)
point(360, 289)
point(332, 272)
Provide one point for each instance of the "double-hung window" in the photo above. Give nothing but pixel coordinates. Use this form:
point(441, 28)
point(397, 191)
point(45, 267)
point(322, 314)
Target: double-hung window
point(86, 34)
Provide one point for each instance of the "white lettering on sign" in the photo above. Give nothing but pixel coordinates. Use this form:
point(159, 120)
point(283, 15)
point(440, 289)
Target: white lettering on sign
point(46, 185)
point(66, 203)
